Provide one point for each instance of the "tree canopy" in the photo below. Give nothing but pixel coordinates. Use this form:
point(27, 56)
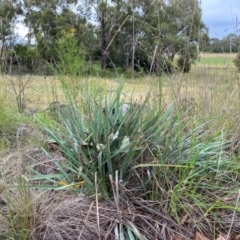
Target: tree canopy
point(229, 44)
point(141, 35)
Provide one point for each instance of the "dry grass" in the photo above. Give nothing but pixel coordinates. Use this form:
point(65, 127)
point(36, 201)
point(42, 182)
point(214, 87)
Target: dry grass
point(40, 91)
point(207, 93)
point(62, 215)
point(77, 218)
point(219, 55)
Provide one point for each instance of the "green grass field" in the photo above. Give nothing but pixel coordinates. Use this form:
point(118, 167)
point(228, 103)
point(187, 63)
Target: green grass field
point(217, 60)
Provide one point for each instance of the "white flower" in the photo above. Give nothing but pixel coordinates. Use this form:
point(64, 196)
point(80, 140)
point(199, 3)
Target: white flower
point(100, 146)
point(125, 144)
point(125, 108)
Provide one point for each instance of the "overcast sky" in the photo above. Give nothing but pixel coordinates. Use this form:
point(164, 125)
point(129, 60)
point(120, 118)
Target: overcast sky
point(222, 17)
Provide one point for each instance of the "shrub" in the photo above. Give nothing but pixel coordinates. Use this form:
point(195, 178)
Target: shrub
point(128, 73)
point(184, 64)
point(166, 65)
point(70, 64)
point(26, 56)
point(71, 56)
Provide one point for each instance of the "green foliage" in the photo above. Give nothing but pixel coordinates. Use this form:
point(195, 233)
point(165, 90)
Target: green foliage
point(204, 41)
point(8, 13)
point(106, 73)
point(184, 64)
point(166, 66)
point(70, 63)
point(26, 56)
point(50, 119)
point(115, 40)
point(70, 56)
point(49, 23)
point(228, 44)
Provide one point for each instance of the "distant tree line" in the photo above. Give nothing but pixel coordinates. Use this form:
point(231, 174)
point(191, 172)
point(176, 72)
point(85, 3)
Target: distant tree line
point(229, 44)
point(143, 35)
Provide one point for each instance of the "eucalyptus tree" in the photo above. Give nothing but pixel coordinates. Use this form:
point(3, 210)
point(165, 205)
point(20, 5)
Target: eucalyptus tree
point(231, 43)
point(47, 21)
point(108, 17)
point(175, 28)
point(9, 11)
point(127, 33)
point(40, 18)
point(141, 33)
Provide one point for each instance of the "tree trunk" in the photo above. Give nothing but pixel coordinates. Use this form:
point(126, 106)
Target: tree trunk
point(104, 41)
point(2, 57)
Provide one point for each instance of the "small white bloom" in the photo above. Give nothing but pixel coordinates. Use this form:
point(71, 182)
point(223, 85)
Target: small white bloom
point(100, 146)
point(125, 108)
point(25, 178)
point(116, 135)
point(125, 143)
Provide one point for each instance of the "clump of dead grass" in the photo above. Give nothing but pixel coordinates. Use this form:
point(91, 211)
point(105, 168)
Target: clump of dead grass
point(85, 218)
